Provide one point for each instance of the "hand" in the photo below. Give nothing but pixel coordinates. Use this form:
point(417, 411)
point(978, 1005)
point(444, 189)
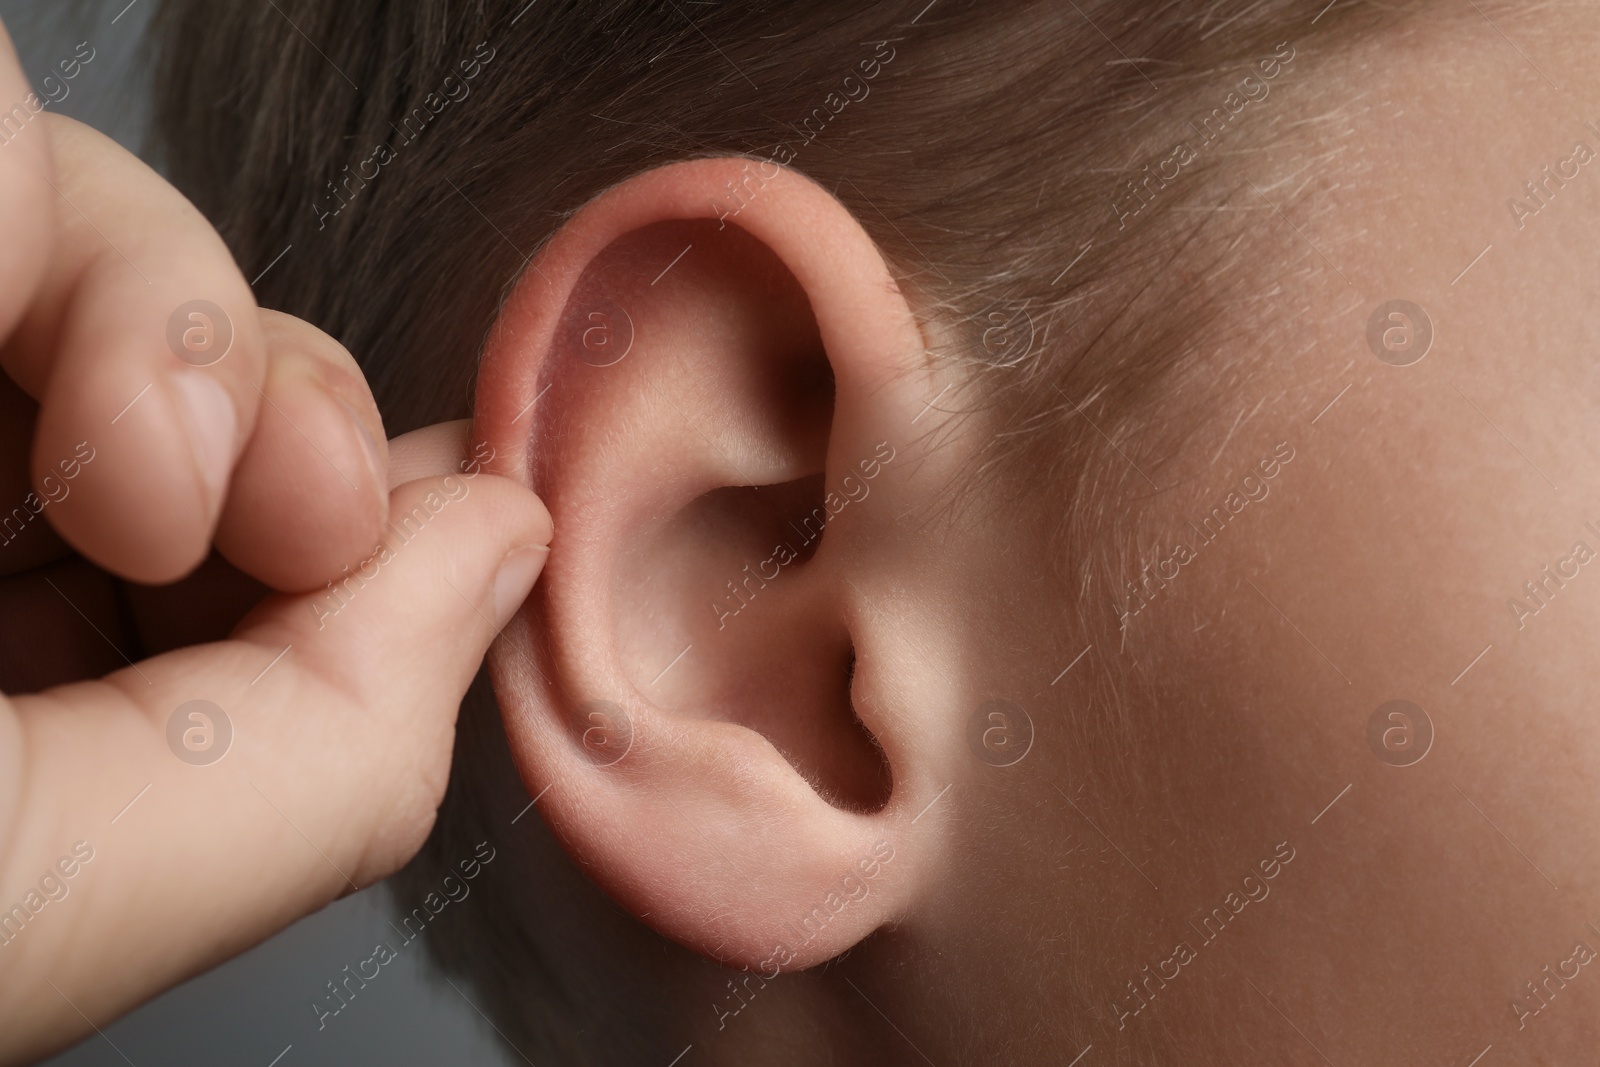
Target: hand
point(181, 808)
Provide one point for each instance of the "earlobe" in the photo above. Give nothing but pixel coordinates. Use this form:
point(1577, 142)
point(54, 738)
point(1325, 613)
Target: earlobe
point(703, 691)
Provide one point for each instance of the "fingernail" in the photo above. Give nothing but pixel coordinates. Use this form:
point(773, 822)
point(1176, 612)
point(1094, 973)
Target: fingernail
point(375, 459)
point(212, 423)
point(515, 580)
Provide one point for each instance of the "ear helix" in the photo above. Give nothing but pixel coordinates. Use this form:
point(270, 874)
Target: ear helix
point(692, 803)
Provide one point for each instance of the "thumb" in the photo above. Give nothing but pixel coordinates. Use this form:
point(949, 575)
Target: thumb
point(411, 623)
point(403, 634)
point(320, 753)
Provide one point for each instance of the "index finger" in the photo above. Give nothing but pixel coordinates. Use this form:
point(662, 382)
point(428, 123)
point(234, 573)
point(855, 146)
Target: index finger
point(145, 351)
point(26, 250)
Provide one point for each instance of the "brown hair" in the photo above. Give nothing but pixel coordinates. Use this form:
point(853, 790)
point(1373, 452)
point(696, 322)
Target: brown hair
point(1045, 179)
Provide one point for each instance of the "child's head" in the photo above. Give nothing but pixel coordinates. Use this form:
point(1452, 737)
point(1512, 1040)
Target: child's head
point(1007, 461)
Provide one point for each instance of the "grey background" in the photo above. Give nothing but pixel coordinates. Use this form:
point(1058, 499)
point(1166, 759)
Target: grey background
point(257, 1007)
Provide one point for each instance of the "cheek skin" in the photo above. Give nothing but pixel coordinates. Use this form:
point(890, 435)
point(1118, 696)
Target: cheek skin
point(1378, 569)
point(1391, 568)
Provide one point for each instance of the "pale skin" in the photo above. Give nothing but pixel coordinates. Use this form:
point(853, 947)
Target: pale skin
point(1018, 906)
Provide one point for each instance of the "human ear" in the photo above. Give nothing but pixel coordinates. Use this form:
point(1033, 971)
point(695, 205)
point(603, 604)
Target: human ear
point(720, 694)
